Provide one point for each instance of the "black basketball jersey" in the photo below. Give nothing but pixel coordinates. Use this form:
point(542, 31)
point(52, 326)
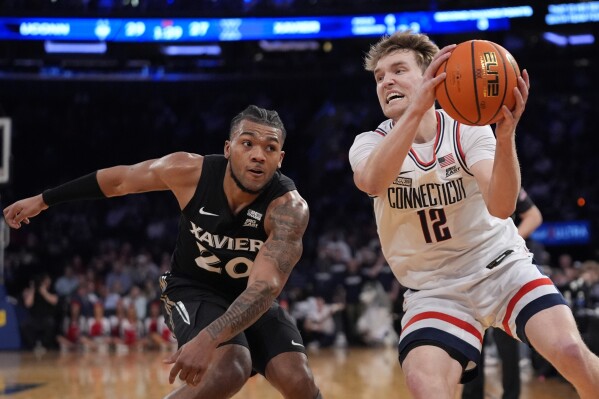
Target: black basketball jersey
point(523, 204)
point(216, 249)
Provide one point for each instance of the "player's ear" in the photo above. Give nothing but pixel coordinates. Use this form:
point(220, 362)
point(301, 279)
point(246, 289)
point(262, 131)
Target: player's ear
point(227, 149)
point(281, 159)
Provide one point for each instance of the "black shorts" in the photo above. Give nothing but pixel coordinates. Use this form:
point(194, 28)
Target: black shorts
point(272, 334)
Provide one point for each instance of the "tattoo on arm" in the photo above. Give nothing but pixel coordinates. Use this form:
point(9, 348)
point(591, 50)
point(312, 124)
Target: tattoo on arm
point(284, 246)
point(243, 312)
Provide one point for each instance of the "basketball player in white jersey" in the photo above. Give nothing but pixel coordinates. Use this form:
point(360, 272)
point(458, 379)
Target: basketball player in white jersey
point(443, 194)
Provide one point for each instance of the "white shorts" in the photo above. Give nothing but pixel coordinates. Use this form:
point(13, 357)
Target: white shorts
point(454, 317)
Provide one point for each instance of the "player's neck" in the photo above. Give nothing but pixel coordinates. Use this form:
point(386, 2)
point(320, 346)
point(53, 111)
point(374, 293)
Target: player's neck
point(237, 199)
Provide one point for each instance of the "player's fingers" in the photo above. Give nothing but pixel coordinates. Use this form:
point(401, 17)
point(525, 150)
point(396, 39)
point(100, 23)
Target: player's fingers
point(196, 380)
point(443, 54)
point(523, 87)
point(439, 78)
point(8, 216)
point(18, 215)
point(172, 358)
point(174, 371)
point(508, 116)
point(520, 103)
point(447, 49)
point(184, 373)
point(26, 220)
point(526, 77)
point(9, 213)
point(16, 222)
point(191, 376)
point(436, 63)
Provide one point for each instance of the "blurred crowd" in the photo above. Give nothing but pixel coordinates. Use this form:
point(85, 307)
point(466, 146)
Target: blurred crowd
point(346, 296)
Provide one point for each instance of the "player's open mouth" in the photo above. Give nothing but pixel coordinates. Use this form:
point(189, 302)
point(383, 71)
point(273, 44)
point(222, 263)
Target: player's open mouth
point(393, 97)
point(256, 172)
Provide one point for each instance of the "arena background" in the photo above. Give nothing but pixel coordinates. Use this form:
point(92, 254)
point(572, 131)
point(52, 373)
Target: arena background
point(73, 113)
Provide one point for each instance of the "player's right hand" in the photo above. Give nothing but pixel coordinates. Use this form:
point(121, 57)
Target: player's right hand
point(192, 359)
point(22, 210)
point(425, 98)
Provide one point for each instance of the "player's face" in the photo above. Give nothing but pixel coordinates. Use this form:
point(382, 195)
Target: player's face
point(254, 154)
point(397, 76)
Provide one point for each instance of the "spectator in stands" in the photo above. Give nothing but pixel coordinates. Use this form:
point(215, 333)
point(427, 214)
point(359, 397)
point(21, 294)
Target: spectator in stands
point(41, 303)
point(156, 332)
point(97, 330)
point(137, 298)
point(67, 283)
point(73, 329)
point(319, 323)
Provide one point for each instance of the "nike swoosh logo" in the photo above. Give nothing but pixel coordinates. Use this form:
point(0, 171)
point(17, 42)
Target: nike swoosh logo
point(203, 212)
point(296, 344)
point(404, 172)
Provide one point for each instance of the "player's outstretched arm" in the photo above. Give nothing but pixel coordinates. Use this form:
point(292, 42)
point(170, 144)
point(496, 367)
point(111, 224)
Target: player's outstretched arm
point(286, 221)
point(151, 175)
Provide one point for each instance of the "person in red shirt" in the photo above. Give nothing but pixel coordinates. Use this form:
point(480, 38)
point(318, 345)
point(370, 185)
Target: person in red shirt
point(97, 331)
point(72, 328)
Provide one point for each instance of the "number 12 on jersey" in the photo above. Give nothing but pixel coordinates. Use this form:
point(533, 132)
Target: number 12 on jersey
point(437, 220)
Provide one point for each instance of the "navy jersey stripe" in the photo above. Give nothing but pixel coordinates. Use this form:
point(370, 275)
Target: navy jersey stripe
point(541, 303)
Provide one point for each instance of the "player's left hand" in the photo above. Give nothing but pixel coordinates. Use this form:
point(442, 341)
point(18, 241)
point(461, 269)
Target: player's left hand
point(506, 126)
point(192, 360)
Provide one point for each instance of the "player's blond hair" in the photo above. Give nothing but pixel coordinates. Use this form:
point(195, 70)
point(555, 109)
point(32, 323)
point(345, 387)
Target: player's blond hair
point(423, 47)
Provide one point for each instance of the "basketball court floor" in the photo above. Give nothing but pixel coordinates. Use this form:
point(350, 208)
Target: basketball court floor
point(340, 374)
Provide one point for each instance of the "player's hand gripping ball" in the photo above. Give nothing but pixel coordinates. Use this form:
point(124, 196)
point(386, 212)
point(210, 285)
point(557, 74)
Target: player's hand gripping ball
point(481, 76)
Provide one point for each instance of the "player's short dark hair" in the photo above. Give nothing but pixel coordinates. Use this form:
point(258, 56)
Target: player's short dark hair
point(261, 116)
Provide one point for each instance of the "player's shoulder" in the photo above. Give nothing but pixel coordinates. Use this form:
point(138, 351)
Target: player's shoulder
point(180, 161)
point(373, 136)
point(182, 158)
point(291, 204)
point(295, 197)
point(179, 167)
point(383, 128)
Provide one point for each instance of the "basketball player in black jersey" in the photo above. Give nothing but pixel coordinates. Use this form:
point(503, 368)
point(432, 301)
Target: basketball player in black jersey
point(240, 235)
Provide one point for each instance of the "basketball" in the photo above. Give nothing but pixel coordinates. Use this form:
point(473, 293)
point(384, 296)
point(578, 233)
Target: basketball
point(481, 76)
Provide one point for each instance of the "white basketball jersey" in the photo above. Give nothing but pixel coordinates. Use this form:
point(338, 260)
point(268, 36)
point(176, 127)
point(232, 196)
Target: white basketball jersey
point(433, 222)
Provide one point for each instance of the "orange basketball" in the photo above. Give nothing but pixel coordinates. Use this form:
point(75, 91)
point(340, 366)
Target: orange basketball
point(481, 76)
